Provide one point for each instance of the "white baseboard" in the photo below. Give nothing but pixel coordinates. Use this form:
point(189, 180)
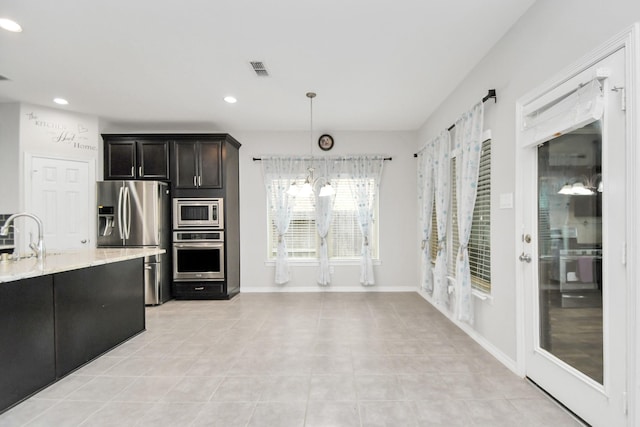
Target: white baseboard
point(318, 289)
point(492, 349)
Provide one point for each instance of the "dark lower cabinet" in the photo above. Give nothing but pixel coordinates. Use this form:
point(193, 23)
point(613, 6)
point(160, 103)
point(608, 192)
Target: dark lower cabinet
point(96, 309)
point(27, 360)
point(199, 290)
point(51, 325)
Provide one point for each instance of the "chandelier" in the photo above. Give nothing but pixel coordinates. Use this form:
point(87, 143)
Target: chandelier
point(311, 185)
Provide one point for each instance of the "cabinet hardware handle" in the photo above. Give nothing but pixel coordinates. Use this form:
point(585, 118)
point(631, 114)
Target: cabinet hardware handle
point(140, 170)
point(133, 171)
point(195, 183)
point(199, 180)
point(199, 288)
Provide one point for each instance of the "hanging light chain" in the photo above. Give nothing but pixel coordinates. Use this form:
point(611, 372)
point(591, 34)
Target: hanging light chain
point(311, 95)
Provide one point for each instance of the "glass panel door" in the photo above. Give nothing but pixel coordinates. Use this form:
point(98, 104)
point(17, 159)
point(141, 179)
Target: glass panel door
point(573, 254)
point(570, 190)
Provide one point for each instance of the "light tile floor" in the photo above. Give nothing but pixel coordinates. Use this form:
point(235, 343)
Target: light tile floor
point(270, 360)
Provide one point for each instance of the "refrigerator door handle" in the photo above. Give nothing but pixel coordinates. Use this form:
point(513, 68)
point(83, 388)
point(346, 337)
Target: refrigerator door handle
point(120, 207)
point(128, 204)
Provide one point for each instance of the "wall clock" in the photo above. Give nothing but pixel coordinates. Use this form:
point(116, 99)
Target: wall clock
point(325, 142)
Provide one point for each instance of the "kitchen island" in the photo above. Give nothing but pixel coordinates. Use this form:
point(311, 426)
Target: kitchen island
point(61, 312)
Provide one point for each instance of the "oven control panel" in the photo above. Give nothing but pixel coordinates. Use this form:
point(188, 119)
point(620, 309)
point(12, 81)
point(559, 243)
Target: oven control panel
point(198, 236)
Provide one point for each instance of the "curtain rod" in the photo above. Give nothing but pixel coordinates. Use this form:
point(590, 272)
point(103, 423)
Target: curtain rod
point(491, 94)
point(258, 159)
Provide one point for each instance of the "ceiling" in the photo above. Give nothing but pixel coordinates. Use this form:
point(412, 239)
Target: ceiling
point(375, 65)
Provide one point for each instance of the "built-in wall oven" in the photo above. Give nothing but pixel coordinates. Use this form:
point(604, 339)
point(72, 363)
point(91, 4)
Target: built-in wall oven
point(198, 255)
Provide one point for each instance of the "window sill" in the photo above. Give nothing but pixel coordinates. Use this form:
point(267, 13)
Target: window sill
point(315, 262)
point(481, 295)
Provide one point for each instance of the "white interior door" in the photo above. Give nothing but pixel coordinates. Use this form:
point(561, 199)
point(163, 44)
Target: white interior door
point(60, 197)
point(572, 249)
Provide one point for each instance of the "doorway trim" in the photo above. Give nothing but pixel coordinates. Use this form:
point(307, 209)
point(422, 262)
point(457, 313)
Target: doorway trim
point(629, 39)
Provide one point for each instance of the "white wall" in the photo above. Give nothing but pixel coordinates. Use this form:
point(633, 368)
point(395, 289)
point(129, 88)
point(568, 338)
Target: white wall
point(397, 210)
point(549, 37)
point(9, 155)
point(40, 131)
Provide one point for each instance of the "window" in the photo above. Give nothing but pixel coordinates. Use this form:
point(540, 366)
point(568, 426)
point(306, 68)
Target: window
point(480, 240)
point(344, 239)
point(453, 242)
point(434, 231)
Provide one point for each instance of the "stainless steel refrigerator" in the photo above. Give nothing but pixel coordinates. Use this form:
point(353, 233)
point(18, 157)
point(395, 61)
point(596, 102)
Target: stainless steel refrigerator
point(137, 214)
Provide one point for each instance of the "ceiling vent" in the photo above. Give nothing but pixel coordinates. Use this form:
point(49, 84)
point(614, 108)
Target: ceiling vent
point(260, 69)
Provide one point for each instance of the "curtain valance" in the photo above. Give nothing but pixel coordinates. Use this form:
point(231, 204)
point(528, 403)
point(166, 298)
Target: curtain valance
point(564, 114)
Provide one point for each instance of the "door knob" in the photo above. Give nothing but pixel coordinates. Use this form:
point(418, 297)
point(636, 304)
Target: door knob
point(524, 257)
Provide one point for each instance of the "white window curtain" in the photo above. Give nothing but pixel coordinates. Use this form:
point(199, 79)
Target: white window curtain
point(425, 213)
point(361, 170)
point(327, 170)
point(442, 166)
point(563, 115)
point(468, 144)
point(278, 174)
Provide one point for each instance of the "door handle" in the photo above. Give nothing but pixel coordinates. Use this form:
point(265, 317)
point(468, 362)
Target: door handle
point(120, 208)
point(127, 203)
point(195, 182)
point(200, 180)
point(139, 170)
point(83, 241)
point(524, 257)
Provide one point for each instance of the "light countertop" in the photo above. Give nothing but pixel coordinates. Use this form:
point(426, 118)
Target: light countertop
point(72, 260)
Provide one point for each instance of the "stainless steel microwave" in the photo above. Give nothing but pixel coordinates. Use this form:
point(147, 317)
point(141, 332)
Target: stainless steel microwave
point(197, 212)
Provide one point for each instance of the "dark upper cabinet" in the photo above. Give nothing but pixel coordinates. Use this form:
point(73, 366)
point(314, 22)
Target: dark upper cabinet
point(153, 160)
point(197, 164)
point(119, 160)
point(130, 157)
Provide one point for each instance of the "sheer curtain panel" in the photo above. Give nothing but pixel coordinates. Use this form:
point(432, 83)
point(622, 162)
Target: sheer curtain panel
point(442, 167)
point(425, 212)
point(278, 174)
point(468, 144)
point(327, 169)
point(362, 170)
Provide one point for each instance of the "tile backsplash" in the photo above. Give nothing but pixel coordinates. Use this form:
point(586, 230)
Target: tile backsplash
point(6, 240)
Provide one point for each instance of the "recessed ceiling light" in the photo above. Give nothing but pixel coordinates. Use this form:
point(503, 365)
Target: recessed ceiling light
point(10, 25)
point(230, 99)
point(60, 101)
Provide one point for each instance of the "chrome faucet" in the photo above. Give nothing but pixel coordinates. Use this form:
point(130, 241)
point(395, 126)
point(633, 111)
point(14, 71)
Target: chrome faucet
point(38, 248)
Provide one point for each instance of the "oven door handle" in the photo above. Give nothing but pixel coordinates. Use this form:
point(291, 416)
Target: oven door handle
point(199, 245)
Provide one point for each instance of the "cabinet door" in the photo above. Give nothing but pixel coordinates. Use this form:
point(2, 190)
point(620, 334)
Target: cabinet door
point(120, 160)
point(96, 308)
point(210, 175)
point(185, 164)
point(153, 160)
point(27, 358)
